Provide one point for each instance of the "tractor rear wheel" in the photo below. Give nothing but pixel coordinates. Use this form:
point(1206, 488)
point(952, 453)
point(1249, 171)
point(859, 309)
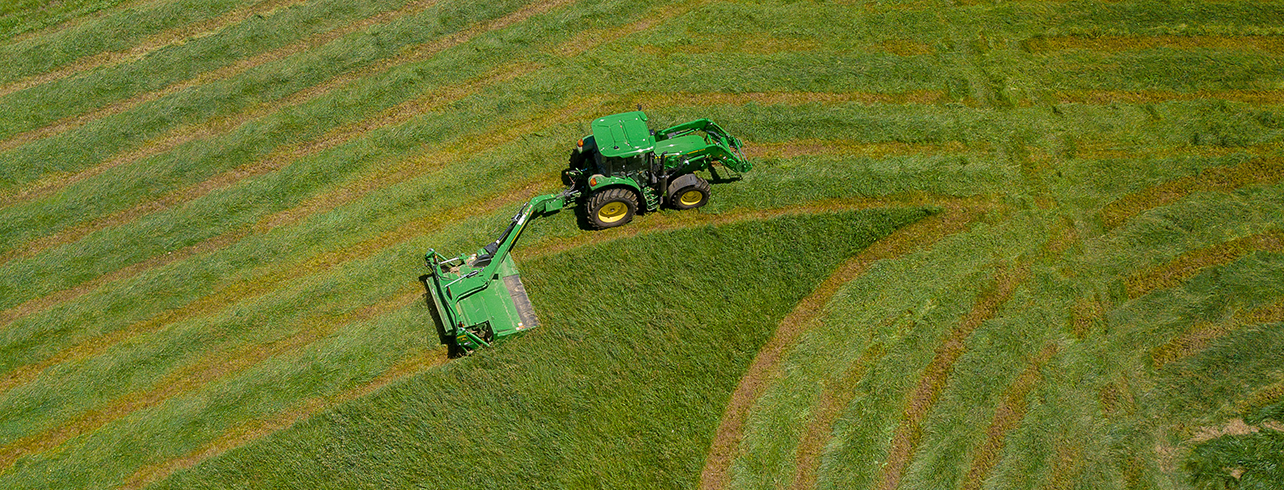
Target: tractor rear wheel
point(612, 207)
point(688, 192)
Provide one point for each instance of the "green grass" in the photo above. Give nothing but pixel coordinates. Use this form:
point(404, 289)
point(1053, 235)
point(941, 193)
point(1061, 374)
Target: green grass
point(197, 332)
point(671, 366)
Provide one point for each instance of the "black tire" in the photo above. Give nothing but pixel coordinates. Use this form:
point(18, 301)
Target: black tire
point(612, 207)
point(688, 192)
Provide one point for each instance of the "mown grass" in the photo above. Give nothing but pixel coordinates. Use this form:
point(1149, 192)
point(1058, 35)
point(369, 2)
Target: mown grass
point(46, 103)
point(27, 16)
point(1080, 334)
point(115, 32)
point(640, 325)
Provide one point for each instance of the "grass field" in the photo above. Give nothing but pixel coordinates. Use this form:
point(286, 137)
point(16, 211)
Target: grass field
point(985, 245)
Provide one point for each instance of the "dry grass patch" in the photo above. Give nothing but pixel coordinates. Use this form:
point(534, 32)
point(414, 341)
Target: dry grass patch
point(1103, 97)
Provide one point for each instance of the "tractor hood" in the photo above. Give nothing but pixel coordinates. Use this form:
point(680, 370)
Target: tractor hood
point(622, 135)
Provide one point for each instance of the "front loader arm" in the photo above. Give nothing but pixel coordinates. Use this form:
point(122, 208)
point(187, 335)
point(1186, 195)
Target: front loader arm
point(722, 146)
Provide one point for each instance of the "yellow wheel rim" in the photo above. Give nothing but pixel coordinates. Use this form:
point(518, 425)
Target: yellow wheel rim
point(613, 211)
point(691, 198)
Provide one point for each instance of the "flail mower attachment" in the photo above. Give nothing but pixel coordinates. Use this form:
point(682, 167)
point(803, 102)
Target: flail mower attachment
point(478, 299)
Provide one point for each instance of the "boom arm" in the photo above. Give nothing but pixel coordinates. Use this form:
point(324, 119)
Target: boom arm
point(493, 254)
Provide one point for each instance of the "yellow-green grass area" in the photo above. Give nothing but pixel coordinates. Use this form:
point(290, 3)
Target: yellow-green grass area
point(45, 103)
point(292, 96)
point(985, 245)
point(89, 27)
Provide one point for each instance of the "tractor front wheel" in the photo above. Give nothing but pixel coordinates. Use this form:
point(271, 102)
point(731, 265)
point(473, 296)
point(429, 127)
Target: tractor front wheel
point(688, 192)
point(612, 207)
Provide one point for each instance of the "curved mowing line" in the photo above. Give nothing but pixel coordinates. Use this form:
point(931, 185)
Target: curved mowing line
point(281, 274)
point(1008, 415)
point(223, 125)
point(168, 38)
point(1223, 179)
point(935, 376)
point(276, 160)
point(225, 72)
point(1190, 263)
point(213, 367)
point(1198, 337)
point(824, 414)
point(836, 397)
point(257, 429)
point(1102, 97)
point(730, 432)
point(1272, 44)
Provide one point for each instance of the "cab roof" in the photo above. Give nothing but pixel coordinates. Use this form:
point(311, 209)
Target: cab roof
point(623, 135)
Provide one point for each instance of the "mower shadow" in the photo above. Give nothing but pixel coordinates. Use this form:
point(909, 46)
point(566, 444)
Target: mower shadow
point(453, 349)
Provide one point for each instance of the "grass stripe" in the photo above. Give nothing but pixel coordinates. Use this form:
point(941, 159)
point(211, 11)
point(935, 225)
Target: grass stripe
point(419, 53)
point(935, 376)
point(1223, 179)
point(211, 368)
point(1006, 418)
point(1269, 44)
point(217, 74)
point(262, 284)
point(1199, 336)
point(846, 147)
point(257, 429)
point(716, 472)
point(223, 125)
point(1190, 263)
point(47, 301)
point(171, 37)
point(832, 401)
point(77, 20)
point(276, 160)
point(1103, 97)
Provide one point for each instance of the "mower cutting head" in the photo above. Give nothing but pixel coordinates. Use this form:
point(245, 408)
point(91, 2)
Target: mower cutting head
point(469, 317)
point(478, 299)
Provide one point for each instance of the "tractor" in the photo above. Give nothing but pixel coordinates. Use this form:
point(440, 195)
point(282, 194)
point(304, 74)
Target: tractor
point(620, 170)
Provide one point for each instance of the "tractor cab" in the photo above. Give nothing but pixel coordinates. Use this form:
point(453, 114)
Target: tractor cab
point(623, 144)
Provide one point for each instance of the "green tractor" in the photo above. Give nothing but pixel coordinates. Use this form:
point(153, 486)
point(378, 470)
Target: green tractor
point(622, 169)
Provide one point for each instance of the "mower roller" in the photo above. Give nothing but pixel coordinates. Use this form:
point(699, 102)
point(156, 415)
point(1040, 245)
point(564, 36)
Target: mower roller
point(620, 170)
